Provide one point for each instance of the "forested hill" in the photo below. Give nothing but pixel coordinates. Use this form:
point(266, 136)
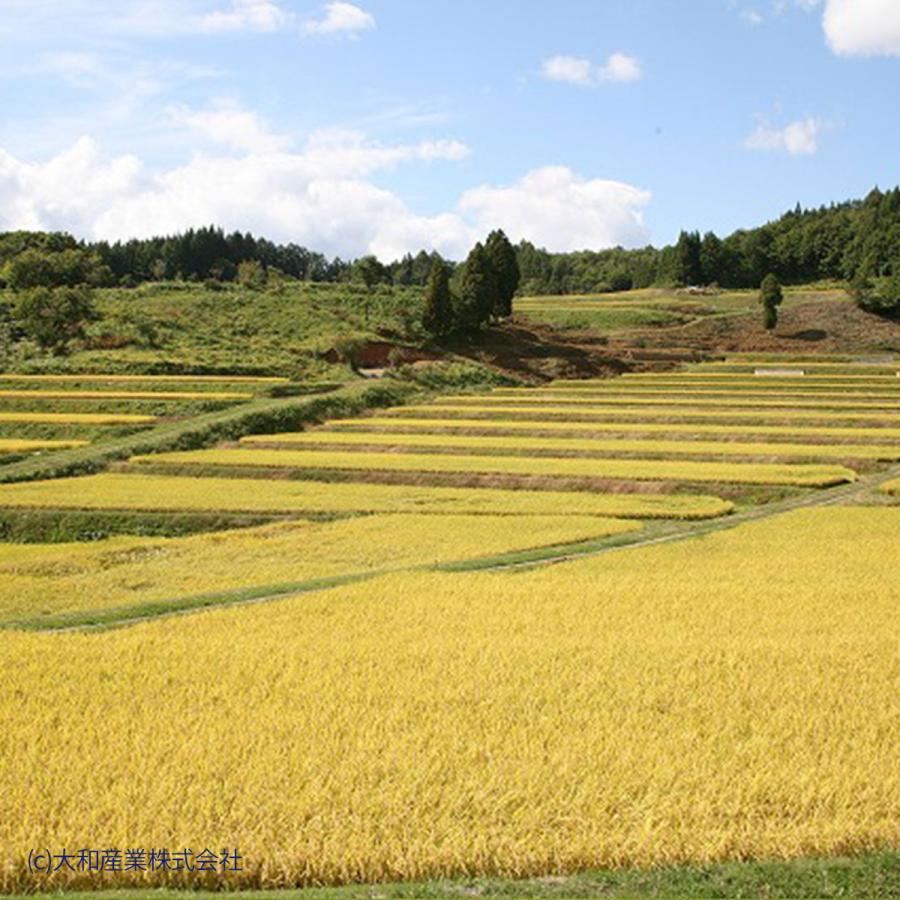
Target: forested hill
point(841, 241)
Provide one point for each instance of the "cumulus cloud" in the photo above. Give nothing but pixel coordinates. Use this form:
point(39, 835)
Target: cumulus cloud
point(862, 27)
point(619, 67)
point(799, 138)
point(555, 208)
point(320, 196)
point(246, 15)
point(341, 18)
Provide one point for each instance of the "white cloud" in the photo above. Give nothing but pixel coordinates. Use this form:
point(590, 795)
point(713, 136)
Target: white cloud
point(568, 68)
point(863, 27)
point(68, 192)
point(341, 18)
point(320, 196)
point(225, 122)
point(246, 15)
point(555, 208)
point(752, 16)
point(799, 138)
point(619, 67)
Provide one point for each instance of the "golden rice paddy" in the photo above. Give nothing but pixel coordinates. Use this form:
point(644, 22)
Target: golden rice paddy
point(173, 494)
point(728, 697)
point(812, 475)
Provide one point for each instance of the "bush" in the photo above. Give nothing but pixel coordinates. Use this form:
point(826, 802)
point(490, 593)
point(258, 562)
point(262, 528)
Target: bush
point(54, 316)
point(883, 301)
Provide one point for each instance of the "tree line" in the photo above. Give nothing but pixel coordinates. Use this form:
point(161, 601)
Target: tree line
point(53, 274)
point(856, 239)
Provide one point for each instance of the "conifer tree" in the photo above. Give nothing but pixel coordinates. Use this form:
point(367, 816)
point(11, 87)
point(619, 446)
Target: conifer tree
point(770, 296)
point(438, 316)
point(477, 291)
point(502, 257)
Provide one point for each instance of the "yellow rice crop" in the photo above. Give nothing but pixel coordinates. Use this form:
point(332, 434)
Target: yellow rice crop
point(737, 380)
point(39, 579)
point(522, 426)
point(23, 445)
point(49, 418)
point(892, 487)
point(522, 444)
point(816, 475)
point(617, 390)
point(728, 697)
point(536, 400)
point(152, 492)
point(126, 395)
point(649, 412)
point(148, 379)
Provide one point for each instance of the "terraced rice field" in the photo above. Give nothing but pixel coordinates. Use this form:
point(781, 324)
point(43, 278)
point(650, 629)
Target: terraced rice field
point(24, 445)
point(64, 411)
point(174, 494)
point(550, 446)
point(420, 423)
point(370, 709)
point(547, 411)
point(639, 470)
point(40, 581)
point(730, 697)
point(694, 401)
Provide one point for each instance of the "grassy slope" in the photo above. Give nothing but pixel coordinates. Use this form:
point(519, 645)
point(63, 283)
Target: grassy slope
point(176, 327)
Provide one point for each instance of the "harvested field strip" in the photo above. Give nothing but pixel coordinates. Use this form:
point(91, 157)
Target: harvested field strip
point(153, 492)
point(630, 469)
point(50, 418)
point(39, 580)
point(126, 395)
point(539, 412)
point(456, 425)
point(672, 721)
point(674, 399)
point(526, 445)
point(24, 445)
point(99, 378)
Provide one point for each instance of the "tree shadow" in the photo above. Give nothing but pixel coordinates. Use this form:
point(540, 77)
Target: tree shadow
point(809, 334)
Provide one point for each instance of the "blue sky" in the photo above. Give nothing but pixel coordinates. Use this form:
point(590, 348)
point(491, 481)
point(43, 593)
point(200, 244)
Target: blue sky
point(390, 125)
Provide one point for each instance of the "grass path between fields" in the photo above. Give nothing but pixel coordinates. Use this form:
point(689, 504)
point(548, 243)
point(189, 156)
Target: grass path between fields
point(873, 877)
point(656, 532)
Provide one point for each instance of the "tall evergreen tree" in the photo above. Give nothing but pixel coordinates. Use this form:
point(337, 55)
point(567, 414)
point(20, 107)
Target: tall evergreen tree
point(712, 259)
point(502, 257)
point(770, 297)
point(477, 291)
point(687, 258)
point(437, 319)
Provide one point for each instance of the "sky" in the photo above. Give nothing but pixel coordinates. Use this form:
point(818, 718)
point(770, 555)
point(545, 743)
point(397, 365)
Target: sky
point(389, 126)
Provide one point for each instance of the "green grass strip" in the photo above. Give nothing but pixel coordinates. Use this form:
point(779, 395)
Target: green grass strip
point(115, 615)
point(873, 876)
